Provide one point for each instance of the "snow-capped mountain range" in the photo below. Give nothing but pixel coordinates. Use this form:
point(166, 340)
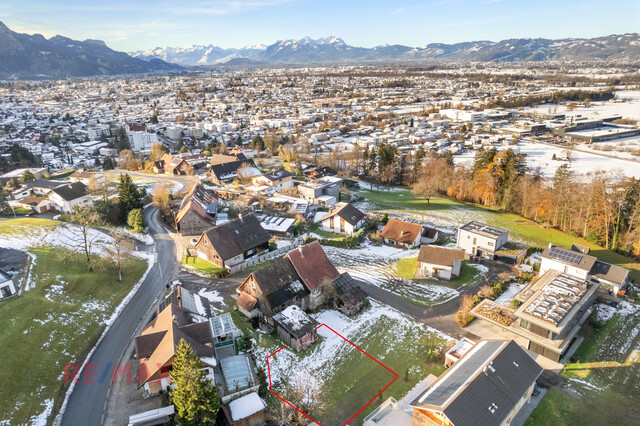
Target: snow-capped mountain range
point(334, 49)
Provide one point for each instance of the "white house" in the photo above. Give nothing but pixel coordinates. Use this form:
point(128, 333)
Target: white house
point(66, 197)
point(343, 219)
point(7, 288)
point(439, 262)
point(578, 263)
point(478, 239)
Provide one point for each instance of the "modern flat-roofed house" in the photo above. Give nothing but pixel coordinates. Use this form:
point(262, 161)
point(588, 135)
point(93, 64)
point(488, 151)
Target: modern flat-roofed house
point(578, 263)
point(69, 196)
point(550, 315)
point(7, 288)
point(198, 211)
point(488, 386)
point(439, 262)
point(233, 242)
point(322, 193)
point(343, 219)
point(86, 177)
point(407, 234)
point(478, 239)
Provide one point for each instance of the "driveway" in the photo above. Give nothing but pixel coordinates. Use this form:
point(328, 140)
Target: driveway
point(87, 401)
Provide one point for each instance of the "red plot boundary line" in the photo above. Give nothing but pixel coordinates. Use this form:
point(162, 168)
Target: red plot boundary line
point(355, 346)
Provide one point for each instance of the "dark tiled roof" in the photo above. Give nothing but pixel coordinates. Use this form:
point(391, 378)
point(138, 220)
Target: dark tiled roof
point(484, 386)
point(348, 290)
point(312, 265)
point(608, 272)
point(43, 183)
point(348, 212)
point(71, 191)
point(584, 261)
point(277, 174)
point(237, 236)
point(437, 255)
point(279, 282)
point(223, 170)
point(147, 343)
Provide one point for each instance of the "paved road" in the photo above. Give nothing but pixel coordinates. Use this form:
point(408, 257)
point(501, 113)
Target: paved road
point(442, 316)
point(87, 401)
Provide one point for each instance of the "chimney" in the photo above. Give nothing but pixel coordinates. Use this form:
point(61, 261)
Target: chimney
point(550, 245)
point(300, 251)
point(240, 216)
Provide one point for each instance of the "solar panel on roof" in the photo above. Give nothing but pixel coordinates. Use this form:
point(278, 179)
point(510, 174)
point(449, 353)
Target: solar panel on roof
point(565, 255)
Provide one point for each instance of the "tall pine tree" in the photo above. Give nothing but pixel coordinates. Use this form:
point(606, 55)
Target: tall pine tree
point(195, 398)
point(128, 196)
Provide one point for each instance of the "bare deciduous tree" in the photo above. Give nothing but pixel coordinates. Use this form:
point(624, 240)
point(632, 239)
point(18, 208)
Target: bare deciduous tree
point(118, 250)
point(85, 218)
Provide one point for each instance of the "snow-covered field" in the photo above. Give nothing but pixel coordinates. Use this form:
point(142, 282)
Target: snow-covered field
point(375, 265)
point(66, 236)
point(628, 109)
point(540, 156)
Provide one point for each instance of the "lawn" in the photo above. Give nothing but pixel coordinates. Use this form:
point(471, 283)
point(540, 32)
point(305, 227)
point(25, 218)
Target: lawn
point(21, 225)
point(63, 175)
point(444, 211)
point(201, 266)
point(56, 322)
point(350, 379)
point(605, 379)
point(406, 268)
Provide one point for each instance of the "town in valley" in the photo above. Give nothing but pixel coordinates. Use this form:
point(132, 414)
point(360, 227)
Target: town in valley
point(310, 232)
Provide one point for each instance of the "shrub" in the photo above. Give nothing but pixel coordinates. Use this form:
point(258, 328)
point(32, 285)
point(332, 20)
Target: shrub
point(135, 220)
point(467, 303)
point(485, 292)
point(463, 319)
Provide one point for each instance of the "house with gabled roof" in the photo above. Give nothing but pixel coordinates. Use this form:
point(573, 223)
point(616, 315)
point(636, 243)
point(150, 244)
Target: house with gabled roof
point(487, 386)
point(69, 196)
point(296, 328)
point(170, 165)
point(439, 262)
point(198, 211)
point(156, 346)
point(343, 219)
point(226, 168)
point(579, 263)
point(407, 234)
point(275, 181)
point(233, 242)
point(299, 279)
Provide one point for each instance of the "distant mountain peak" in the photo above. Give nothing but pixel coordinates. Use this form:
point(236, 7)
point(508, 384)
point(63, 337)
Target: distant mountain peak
point(24, 56)
point(333, 49)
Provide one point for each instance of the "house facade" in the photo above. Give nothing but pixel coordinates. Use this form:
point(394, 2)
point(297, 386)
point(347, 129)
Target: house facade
point(401, 233)
point(295, 328)
point(233, 242)
point(343, 219)
point(198, 212)
point(578, 263)
point(67, 197)
point(7, 287)
point(478, 239)
point(439, 262)
point(550, 314)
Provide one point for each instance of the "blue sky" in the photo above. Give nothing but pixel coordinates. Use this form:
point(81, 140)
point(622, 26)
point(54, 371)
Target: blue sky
point(132, 25)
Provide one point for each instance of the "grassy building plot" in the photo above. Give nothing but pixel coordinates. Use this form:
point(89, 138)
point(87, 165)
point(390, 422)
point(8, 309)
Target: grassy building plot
point(55, 322)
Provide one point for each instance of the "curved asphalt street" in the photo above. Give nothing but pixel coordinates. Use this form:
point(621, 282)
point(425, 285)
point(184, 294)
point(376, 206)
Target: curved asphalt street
point(87, 401)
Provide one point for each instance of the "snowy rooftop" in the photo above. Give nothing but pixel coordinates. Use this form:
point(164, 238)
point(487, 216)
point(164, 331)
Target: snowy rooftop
point(295, 319)
point(246, 406)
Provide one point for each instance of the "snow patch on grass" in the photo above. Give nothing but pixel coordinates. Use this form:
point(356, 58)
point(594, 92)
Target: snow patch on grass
point(41, 419)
